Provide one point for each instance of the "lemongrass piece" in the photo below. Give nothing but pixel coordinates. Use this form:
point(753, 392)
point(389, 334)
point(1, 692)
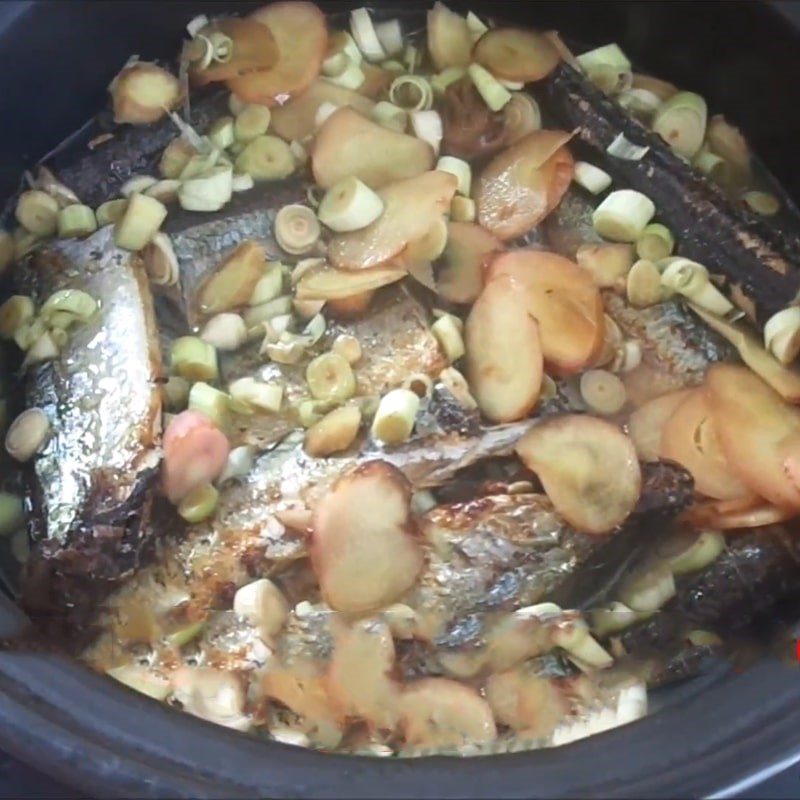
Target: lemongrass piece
point(175, 157)
point(176, 393)
point(76, 302)
point(628, 357)
point(712, 165)
point(269, 286)
point(324, 111)
point(477, 27)
point(348, 347)
point(613, 618)
point(419, 383)
point(411, 92)
point(308, 413)
point(242, 182)
point(330, 377)
point(641, 103)
point(37, 212)
point(623, 215)
point(396, 416)
point(209, 192)
point(461, 169)
point(194, 359)
point(266, 158)
point(160, 261)
point(494, 94)
point(297, 229)
point(165, 191)
point(627, 151)
point(305, 267)
point(226, 332)
point(257, 395)
point(211, 402)
point(609, 54)
point(43, 349)
point(463, 209)
point(334, 433)
point(349, 205)
point(681, 122)
point(762, 203)
point(442, 80)
point(449, 337)
point(221, 133)
point(255, 315)
point(12, 513)
point(603, 392)
point(686, 554)
point(140, 222)
point(336, 64)
point(110, 212)
point(76, 221)
point(199, 505)
point(15, 312)
point(587, 654)
point(199, 164)
point(644, 284)
point(782, 334)
point(137, 184)
point(352, 78)
point(365, 35)
point(648, 589)
point(299, 152)
point(26, 434)
point(196, 24)
point(427, 125)
point(591, 178)
point(692, 280)
point(252, 121)
point(655, 243)
point(390, 35)
point(390, 116)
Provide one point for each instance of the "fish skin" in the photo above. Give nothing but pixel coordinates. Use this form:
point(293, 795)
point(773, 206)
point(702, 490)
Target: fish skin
point(90, 485)
point(97, 175)
point(729, 240)
point(396, 342)
point(506, 552)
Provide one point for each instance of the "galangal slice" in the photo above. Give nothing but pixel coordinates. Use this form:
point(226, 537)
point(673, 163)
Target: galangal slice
point(301, 35)
point(348, 144)
point(646, 424)
point(759, 433)
point(504, 355)
point(521, 185)
point(588, 468)
point(562, 298)
point(410, 206)
point(363, 548)
point(469, 249)
point(440, 713)
point(516, 54)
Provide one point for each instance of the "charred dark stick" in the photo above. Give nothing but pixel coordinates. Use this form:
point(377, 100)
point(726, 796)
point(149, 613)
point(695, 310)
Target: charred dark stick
point(727, 239)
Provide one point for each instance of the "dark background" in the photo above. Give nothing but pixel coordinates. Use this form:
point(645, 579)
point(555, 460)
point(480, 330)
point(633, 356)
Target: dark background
point(18, 781)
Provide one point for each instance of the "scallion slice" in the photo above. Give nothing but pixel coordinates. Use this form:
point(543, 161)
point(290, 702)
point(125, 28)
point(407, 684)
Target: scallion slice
point(681, 122)
point(194, 359)
point(591, 178)
point(623, 215)
point(655, 243)
point(211, 402)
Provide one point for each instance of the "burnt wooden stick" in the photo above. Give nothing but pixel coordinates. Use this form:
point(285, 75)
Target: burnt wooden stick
point(761, 260)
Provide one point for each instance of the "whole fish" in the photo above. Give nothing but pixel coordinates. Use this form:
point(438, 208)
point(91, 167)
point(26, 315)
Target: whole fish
point(89, 487)
point(749, 252)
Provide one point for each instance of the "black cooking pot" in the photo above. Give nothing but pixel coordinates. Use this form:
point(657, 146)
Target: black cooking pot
point(713, 736)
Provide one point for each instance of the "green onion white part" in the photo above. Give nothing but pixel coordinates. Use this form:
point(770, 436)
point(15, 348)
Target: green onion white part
point(396, 416)
point(365, 36)
point(681, 122)
point(494, 94)
point(427, 125)
point(623, 215)
point(349, 205)
point(782, 334)
point(140, 222)
point(591, 178)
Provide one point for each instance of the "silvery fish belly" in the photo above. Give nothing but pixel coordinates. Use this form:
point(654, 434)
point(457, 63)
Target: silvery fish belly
point(90, 484)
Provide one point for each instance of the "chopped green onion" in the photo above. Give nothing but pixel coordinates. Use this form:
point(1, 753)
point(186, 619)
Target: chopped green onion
point(12, 513)
point(648, 589)
point(640, 103)
point(71, 301)
point(242, 183)
point(257, 396)
point(390, 116)
point(194, 359)
point(223, 46)
point(782, 334)
point(655, 243)
point(251, 122)
point(365, 35)
point(297, 229)
point(27, 333)
point(176, 392)
point(461, 169)
point(269, 286)
point(690, 553)
point(299, 152)
point(110, 212)
point(266, 158)
point(419, 383)
point(477, 27)
point(75, 221)
point(427, 125)
point(211, 402)
point(221, 133)
point(199, 164)
point(681, 122)
point(137, 185)
point(603, 392)
point(494, 94)
point(692, 281)
point(188, 633)
point(43, 349)
point(612, 618)
point(349, 205)
point(440, 82)
point(330, 377)
point(255, 315)
point(140, 222)
point(352, 78)
point(27, 433)
point(15, 312)
point(628, 151)
point(396, 416)
point(591, 178)
point(609, 54)
point(762, 203)
point(225, 331)
point(37, 212)
point(209, 192)
point(165, 191)
point(623, 215)
point(411, 92)
point(160, 261)
point(390, 35)
point(448, 335)
point(712, 165)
